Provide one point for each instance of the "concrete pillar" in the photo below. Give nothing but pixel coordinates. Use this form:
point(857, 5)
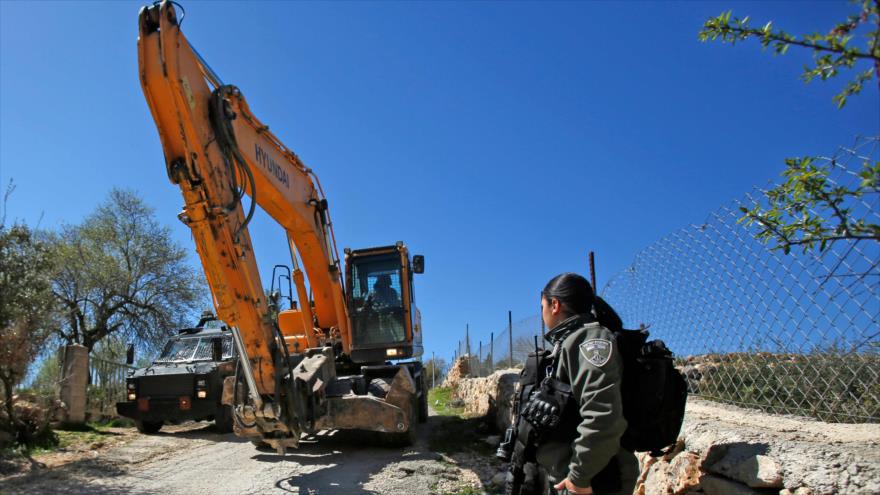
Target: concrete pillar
point(74, 381)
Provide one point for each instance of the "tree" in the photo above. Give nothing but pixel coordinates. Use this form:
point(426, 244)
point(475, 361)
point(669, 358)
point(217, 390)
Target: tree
point(435, 370)
point(809, 208)
point(26, 310)
point(120, 273)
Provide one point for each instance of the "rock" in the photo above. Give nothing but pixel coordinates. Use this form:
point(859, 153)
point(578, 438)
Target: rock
point(761, 471)
point(685, 472)
point(491, 396)
point(744, 462)
point(499, 479)
point(458, 371)
point(798, 491)
point(716, 485)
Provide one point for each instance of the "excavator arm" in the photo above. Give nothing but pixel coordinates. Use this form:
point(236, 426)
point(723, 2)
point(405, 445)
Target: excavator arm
point(221, 156)
point(216, 150)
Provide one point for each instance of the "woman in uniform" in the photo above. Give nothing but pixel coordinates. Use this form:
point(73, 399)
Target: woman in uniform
point(592, 460)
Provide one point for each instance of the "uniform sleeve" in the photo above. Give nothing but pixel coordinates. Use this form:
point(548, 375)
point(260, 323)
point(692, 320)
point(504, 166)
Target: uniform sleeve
point(596, 388)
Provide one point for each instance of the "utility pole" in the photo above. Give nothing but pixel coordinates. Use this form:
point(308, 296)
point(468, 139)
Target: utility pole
point(433, 368)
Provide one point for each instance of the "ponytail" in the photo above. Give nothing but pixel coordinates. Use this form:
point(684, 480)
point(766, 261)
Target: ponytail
point(576, 296)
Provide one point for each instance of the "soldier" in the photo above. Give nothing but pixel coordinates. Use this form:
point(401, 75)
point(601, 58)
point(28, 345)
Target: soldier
point(588, 459)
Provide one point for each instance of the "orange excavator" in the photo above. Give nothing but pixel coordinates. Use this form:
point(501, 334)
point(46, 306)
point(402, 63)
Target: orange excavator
point(345, 355)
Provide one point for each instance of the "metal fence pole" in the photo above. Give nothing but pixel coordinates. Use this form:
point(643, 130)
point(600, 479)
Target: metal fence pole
point(510, 334)
point(543, 336)
point(491, 352)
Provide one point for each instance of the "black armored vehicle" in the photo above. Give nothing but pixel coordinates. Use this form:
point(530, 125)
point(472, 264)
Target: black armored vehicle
point(185, 382)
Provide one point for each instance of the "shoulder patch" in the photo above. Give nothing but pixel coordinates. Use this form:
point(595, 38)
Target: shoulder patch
point(596, 351)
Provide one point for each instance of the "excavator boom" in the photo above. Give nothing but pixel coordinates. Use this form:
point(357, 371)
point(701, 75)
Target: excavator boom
point(222, 157)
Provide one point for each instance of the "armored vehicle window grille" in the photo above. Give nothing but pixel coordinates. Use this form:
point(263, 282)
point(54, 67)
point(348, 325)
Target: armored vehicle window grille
point(179, 350)
point(205, 350)
point(193, 349)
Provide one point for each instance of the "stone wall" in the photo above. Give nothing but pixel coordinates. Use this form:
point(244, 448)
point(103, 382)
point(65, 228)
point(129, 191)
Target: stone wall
point(489, 396)
point(457, 372)
point(724, 449)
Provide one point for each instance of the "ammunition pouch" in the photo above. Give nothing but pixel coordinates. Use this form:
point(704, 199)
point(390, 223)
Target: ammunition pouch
point(552, 411)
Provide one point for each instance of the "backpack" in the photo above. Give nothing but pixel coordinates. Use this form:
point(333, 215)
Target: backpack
point(654, 393)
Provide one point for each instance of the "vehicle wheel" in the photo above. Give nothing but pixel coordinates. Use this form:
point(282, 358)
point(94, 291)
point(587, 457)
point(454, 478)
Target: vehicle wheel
point(423, 401)
point(148, 427)
point(223, 419)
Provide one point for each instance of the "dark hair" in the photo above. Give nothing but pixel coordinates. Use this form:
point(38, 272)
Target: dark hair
point(576, 296)
point(572, 291)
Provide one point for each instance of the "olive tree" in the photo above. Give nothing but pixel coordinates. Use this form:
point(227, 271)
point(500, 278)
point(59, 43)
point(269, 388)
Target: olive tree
point(120, 273)
point(26, 310)
point(808, 209)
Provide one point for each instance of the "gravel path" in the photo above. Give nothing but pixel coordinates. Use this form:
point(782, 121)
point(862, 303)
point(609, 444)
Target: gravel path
point(194, 460)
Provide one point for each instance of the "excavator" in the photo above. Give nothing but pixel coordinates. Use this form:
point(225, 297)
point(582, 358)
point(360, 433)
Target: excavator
point(345, 354)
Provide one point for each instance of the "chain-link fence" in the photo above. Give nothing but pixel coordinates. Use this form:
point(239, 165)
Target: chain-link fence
point(789, 333)
point(785, 333)
point(487, 353)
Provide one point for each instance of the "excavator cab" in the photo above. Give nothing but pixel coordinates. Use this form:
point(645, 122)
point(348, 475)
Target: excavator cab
point(385, 323)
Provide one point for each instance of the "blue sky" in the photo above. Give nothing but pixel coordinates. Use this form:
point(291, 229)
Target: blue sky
point(501, 140)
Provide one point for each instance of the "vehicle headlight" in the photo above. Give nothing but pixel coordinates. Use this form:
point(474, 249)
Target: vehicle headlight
point(201, 387)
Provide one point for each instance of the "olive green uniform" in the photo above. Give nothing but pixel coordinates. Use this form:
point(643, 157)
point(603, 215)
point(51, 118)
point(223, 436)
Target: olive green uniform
point(589, 360)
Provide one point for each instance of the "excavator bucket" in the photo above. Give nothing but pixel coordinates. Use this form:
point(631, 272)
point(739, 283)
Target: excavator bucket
point(393, 414)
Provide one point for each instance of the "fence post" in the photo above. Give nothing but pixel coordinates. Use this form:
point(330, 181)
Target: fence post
point(593, 273)
point(433, 368)
point(510, 334)
point(480, 360)
point(491, 352)
point(543, 337)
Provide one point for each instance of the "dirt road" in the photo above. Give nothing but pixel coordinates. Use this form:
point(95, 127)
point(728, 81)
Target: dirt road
point(196, 460)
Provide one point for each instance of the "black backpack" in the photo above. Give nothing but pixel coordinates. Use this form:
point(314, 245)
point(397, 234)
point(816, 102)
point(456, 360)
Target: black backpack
point(654, 393)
